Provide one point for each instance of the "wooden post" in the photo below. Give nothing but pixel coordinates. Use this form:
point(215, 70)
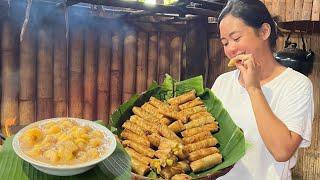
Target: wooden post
point(116, 71)
point(90, 74)
point(103, 79)
point(142, 63)
point(152, 58)
point(163, 66)
point(289, 10)
point(196, 44)
point(316, 10)
point(129, 64)
point(9, 72)
point(60, 72)
point(27, 98)
point(45, 74)
point(175, 56)
point(76, 72)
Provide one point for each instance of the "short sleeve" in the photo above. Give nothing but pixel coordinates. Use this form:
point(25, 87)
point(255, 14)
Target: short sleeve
point(297, 110)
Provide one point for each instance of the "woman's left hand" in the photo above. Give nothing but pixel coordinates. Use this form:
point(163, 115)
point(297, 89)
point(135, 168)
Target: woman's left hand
point(250, 72)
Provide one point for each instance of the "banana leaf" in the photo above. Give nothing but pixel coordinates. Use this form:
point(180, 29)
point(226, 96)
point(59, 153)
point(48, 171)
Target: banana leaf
point(230, 137)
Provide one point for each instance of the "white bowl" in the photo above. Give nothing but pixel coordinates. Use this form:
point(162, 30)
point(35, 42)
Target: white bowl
point(65, 170)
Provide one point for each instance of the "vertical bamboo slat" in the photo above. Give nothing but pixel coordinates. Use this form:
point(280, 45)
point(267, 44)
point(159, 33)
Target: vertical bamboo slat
point(103, 79)
point(90, 75)
point(268, 4)
point(176, 61)
point(289, 10)
point(315, 10)
point(9, 74)
point(298, 5)
point(116, 71)
point(129, 65)
point(76, 73)
point(276, 8)
point(45, 74)
point(60, 73)
point(27, 99)
point(152, 58)
point(283, 9)
point(306, 10)
point(163, 66)
point(142, 63)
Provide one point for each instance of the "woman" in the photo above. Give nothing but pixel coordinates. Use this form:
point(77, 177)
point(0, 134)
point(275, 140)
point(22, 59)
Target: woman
point(272, 104)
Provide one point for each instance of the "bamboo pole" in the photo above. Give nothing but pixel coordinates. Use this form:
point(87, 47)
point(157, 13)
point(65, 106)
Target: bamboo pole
point(163, 66)
point(116, 71)
point(103, 79)
point(298, 5)
point(283, 9)
point(45, 74)
point(76, 72)
point(289, 10)
point(9, 73)
point(60, 72)
point(27, 99)
point(90, 75)
point(306, 10)
point(176, 61)
point(129, 65)
point(316, 10)
point(152, 58)
point(142, 63)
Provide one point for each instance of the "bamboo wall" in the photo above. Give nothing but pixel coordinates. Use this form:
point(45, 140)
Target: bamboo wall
point(294, 10)
point(308, 164)
point(88, 75)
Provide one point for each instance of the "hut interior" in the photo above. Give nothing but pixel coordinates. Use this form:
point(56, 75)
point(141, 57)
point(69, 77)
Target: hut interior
point(83, 58)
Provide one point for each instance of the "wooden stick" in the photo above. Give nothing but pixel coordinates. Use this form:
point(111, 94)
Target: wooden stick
point(28, 82)
point(176, 61)
point(90, 75)
point(9, 74)
point(316, 10)
point(152, 58)
point(129, 65)
point(289, 10)
point(298, 5)
point(103, 79)
point(60, 72)
point(306, 10)
point(76, 72)
point(163, 66)
point(45, 74)
point(142, 63)
point(116, 71)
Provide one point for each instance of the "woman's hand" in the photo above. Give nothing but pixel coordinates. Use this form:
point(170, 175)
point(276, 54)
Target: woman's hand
point(250, 72)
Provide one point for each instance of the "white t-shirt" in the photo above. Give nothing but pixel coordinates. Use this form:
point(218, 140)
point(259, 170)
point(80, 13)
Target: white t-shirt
point(290, 97)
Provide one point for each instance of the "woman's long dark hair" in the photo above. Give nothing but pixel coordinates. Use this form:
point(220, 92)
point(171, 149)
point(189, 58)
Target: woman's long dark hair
point(254, 13)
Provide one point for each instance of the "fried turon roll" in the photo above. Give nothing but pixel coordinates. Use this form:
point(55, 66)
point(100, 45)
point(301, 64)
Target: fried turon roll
point(212, 127)
point(197, 137)
point(134, 128)
point(127, 134)
point(139, 148)
point(177, 126)
point(210, 141)
point(134, 154)
point(196, 102)
point(154, 139)
point(206, 162)
point(139, 167)
point(201, 153)
point(189, 96)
